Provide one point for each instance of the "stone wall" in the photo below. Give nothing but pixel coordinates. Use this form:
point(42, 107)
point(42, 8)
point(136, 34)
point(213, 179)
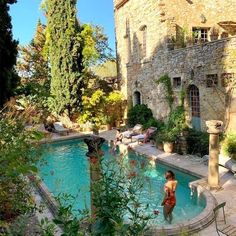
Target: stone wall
point(193, 64)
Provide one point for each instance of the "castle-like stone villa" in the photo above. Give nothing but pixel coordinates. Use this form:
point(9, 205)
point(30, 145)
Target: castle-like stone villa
point(193, 42)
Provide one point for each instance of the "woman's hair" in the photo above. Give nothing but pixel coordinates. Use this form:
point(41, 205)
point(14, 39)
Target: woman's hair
point(170, 174)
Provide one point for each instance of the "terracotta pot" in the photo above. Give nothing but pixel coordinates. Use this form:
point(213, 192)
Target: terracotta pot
point(168, 147)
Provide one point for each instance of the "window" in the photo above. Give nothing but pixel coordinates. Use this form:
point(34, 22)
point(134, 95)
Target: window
point(143, 30)
point(137, 98)
point(177, 82)
point(200, 34)
point(211, 80)
point(227, 79)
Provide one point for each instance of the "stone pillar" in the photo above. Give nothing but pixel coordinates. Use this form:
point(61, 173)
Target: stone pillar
point(214, 128)
point(94, 153)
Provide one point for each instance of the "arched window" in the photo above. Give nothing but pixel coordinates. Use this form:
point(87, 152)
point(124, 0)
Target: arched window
point(194, 102)
point(137, 98)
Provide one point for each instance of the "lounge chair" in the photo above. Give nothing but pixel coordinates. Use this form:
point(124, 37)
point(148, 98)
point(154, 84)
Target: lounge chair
point(137, 129)
point(60, 129)
point(146, 136)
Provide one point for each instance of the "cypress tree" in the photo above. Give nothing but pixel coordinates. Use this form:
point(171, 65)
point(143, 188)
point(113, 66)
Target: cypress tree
point(65, 54)
point(8, 53)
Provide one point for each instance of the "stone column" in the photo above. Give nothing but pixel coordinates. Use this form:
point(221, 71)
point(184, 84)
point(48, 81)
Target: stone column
point(94, 153)
point(214, 128)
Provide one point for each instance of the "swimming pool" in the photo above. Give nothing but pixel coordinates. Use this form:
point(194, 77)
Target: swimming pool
point(67, 171)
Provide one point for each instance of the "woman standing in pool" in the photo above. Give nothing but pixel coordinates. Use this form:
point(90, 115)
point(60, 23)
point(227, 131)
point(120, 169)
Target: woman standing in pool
point(169, 200)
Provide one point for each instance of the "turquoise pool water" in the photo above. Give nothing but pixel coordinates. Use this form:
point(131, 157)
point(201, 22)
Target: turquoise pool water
point(67, 171)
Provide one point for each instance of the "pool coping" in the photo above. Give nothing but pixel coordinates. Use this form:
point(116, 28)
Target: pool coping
point(204, 219)
point(201, 221)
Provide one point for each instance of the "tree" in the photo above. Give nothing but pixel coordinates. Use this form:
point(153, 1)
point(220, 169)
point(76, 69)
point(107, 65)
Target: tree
point(33, 63)
point(65, 52)
point(8, 53)
point(72, 48)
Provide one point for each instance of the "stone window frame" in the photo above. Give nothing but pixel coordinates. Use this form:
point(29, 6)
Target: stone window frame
point(143, 36)
point(212, 80)
point(200, 33)
point(175, 81)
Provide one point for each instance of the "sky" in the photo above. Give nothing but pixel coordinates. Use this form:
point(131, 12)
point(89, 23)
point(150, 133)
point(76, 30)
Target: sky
point(25, 14)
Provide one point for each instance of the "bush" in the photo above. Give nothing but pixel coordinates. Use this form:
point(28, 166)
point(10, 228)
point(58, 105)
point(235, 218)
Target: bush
point(177, 119)
point(16, 162)
point(139, 114)
point(229, 145)
point(198, 142)
point(154, 123)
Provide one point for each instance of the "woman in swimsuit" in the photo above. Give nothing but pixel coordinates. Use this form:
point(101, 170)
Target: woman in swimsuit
point(169, 200)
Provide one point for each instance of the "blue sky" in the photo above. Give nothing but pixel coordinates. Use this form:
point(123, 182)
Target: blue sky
point(25, 14)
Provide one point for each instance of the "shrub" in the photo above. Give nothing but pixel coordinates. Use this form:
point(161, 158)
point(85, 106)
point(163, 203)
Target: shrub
point(177, 119)
point(154, 123)
point(229, 145)
point(16, 162)
point(198, 142)
point(139, 114)
point(116, 195)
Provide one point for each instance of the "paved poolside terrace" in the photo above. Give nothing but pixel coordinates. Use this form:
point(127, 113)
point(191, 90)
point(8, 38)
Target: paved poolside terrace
point(190, 164)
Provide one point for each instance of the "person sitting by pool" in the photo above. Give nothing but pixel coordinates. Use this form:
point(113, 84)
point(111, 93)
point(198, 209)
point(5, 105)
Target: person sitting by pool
point(118, 139)
point(169, 200)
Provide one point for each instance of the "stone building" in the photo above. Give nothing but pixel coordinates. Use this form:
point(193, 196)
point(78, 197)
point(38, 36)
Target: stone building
point(193, 41)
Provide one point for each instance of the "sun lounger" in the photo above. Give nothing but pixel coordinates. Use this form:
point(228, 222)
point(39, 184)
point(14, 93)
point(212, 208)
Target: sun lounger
point(137, 129)
point(60, 129)
point(146, 136)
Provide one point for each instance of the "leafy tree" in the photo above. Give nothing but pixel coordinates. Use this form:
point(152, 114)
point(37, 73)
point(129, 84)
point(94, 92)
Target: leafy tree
point(8, 51)
point(32, 64)
point(33, 68)
point(72, 49)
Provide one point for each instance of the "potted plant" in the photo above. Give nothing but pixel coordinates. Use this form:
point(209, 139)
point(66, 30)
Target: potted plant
point(169, 137)
point(159, 141)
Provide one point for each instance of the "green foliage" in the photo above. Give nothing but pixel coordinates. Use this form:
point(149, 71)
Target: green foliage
point(229, 145)
point(66, 219)
point(167, 135)
point(152, 122)
point(32, 65)
point(8, 52)
point(176, 119)
point(114, 107)
point(93, 108)
point(64, 44)
point(16, 161)
point(139, 114)
point(115, 195)
point(169, 95)
point(47, 227)
point(198, 142)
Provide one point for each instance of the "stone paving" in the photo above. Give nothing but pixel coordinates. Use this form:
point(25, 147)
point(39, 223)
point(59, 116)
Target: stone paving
point(197, 167)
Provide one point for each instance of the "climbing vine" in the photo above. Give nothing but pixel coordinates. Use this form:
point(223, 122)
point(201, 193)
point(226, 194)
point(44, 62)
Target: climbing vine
point(169, 94)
